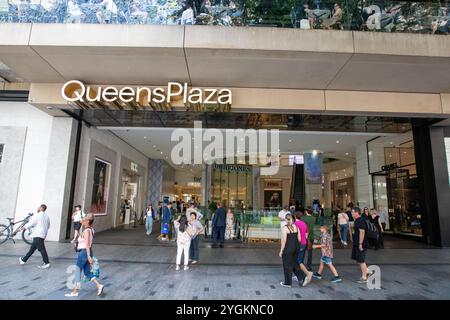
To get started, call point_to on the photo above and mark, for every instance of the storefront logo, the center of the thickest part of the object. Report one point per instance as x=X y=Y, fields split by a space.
x=75 y=91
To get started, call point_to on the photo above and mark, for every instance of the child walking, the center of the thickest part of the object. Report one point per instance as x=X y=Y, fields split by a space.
x=185 y=232
x=326 y=246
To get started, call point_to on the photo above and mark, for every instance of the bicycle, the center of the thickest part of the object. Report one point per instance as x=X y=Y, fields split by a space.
x=7 y=232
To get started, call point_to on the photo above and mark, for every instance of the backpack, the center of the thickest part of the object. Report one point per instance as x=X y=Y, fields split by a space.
x=372 y=231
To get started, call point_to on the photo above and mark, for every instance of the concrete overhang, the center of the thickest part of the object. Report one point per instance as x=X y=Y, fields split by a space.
x=246 y=57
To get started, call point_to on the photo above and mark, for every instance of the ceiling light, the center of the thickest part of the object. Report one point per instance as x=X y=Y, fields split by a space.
x=290 y=140
x=154 y=146
x=391 y=143
x=314 y=153
x=346 y=153
x=337 y=141
x=145 y=137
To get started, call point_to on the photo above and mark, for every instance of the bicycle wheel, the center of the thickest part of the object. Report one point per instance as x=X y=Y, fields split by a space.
x=26 y=235
x=4 y=233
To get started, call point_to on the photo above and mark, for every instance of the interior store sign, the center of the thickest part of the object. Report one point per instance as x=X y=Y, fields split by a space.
x=134 y=167
x=77 y=91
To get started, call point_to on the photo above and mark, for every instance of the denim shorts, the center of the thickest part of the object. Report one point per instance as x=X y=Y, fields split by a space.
x=326 y=260
x=301 y=254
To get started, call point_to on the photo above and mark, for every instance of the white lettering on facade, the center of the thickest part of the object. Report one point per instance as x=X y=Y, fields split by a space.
x=76 y=91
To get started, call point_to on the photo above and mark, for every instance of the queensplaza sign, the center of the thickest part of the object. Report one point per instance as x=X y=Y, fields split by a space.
x=142 y=97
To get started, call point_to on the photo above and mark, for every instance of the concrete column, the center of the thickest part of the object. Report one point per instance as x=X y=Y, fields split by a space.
x=256 y=187
x=58 y=175
x=155 y=181
x=327 y=186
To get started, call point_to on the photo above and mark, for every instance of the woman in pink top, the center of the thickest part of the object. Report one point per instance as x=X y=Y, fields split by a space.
x=85 y=254
x=303 y=230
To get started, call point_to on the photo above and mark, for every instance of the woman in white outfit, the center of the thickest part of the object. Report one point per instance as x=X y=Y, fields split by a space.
x=185 y=233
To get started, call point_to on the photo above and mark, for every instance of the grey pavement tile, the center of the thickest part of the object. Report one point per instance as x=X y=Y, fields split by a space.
x=147 y=272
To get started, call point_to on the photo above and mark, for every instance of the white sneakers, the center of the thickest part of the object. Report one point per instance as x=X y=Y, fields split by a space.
x=41 y=266
x=44 y=266
x=100 y=290
x=178 y=268
x=307 y=279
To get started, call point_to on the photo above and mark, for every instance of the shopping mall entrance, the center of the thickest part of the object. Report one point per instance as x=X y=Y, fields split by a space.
x=326 y=161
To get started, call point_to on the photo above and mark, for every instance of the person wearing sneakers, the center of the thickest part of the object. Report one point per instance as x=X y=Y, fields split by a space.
x=290 y=246
x=85 y=257
x=195 y=223
x=326 y=246
x=185 y=232
x=303 y=230
x=40 y=222
x=360 y=243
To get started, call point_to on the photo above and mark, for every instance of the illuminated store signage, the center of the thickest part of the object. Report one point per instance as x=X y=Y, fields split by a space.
x=232 y=168
x=77 y=92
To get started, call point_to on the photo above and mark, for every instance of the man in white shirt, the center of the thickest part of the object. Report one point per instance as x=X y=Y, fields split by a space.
x=282 y=217
x=40 y=222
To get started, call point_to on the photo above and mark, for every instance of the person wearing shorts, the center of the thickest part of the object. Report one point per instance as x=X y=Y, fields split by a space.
x=77 y=216
x=360 y=243
x=326 y=246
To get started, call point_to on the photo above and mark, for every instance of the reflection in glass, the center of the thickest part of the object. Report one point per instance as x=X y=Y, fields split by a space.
x=363 y=15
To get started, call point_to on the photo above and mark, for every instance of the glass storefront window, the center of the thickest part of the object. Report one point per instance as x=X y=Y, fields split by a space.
x=396 y=185
x=233 y=186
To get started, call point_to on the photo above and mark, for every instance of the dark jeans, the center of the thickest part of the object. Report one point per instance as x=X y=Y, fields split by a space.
x=309 y=259
x=193 y=249
x=219 y=235
x=38 y=243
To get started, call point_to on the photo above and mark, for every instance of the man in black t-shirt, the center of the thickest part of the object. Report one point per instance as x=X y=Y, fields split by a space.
x=360 y=243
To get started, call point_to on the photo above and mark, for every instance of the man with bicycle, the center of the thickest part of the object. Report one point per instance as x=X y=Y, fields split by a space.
x=40 y=222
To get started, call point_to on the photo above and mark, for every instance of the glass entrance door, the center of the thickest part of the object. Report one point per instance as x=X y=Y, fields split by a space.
x=398 y=191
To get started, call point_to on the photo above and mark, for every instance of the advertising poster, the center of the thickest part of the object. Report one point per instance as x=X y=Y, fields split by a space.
x=100 y=188
x=313 y=168
x=273 y=198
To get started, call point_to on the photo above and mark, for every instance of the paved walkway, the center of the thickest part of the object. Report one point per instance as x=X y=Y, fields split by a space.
x=147 y=271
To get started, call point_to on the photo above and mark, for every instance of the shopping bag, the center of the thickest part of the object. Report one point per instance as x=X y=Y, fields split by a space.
x=165 y=228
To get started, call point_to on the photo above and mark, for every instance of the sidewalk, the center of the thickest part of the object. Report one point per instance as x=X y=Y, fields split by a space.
x=239 y=272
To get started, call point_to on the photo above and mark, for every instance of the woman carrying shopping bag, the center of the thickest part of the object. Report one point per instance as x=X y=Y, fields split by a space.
x=85 y=258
